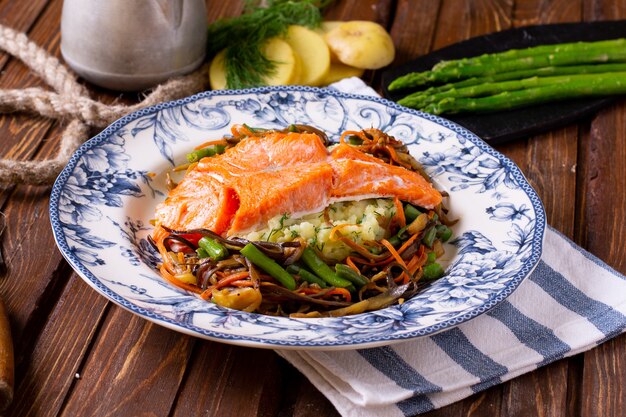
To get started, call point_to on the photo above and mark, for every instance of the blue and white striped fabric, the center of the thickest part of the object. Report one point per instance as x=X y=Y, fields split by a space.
x=571 y=303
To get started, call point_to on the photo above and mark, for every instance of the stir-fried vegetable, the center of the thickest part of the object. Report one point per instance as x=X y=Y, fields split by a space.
x=293 y=277
x=268 y=265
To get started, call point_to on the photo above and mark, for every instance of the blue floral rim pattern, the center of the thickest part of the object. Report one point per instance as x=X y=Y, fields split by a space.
x=489 y=264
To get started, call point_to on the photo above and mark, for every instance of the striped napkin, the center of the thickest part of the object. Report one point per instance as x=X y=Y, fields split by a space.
x=571 y=303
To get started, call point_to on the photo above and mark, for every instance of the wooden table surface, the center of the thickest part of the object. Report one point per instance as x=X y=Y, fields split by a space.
x=77 y=354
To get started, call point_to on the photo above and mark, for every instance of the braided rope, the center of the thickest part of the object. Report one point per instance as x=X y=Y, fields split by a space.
x=69 y=100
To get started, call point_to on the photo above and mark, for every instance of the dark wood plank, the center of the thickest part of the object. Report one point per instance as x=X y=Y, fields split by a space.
x=193 y=377
x=19 y=15
x=460 y=20
x=379 y=11
x=220 y=376
x=134 y=368
x=603 y=393
x=553 y=174
x=602 y=199
x=412 y=40
x=49 y=370
x=34 y=281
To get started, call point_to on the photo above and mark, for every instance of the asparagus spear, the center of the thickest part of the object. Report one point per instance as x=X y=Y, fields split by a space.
x=416 y=79
x=420 y=98
x=558 y=48
x=575 y=86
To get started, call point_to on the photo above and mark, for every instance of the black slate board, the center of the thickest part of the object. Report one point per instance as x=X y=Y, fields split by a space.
x=504 y=126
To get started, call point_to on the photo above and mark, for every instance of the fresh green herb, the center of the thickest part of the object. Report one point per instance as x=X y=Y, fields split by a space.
x=243 y=36
x=281 y=223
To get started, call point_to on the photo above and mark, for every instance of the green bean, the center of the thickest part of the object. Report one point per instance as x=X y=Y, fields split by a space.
x=270 y=266
x=344 y=271
x=202 y=253
x=397 y=239
x=432 y=271
x=355 y=140
x=198 y=154
x=432 y=257
x=410 y=213
x=306 y=275
x=319 y=268
x=444 y=232
x=213 y=248
x=429 y=237
x=255 y=129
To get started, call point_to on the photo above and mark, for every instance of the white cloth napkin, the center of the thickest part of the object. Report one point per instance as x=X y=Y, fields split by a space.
x=571 y=303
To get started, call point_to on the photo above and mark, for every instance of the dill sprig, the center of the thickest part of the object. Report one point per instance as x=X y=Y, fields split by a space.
x=243 y=36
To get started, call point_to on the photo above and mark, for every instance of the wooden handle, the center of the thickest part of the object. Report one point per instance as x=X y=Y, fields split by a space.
x=6 y=360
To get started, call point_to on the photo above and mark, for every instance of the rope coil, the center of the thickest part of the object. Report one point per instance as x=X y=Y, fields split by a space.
x=69 y=100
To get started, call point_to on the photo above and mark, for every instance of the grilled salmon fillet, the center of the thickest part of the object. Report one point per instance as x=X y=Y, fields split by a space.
x=278 y=173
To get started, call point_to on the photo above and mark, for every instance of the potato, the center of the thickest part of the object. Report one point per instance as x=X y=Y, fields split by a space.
x=245 y=299
x=312 y=50
x=361 y=44
x=329 y=25
x=274 y=49
x=297 y=71
x=339 y=72
x=326 y=27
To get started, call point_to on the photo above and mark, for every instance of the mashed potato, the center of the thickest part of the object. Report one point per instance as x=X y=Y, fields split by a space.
x=367 y=220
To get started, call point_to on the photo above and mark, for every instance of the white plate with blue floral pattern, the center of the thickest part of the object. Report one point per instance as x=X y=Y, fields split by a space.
x=102 y=203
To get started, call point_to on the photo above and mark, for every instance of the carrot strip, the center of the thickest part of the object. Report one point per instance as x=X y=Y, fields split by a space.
x=399 y=212
x=178 y=283
x=407 y=243
x=393 y=155
x=397 y=257
x=243 y=283
x=239 y=130
x=384 y=261
x=340 y=291
x=351 y=264
x=337 y=229
x=231 y=278
x=417 y=262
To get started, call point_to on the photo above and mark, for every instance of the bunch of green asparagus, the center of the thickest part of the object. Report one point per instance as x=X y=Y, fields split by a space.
x=518 y=78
